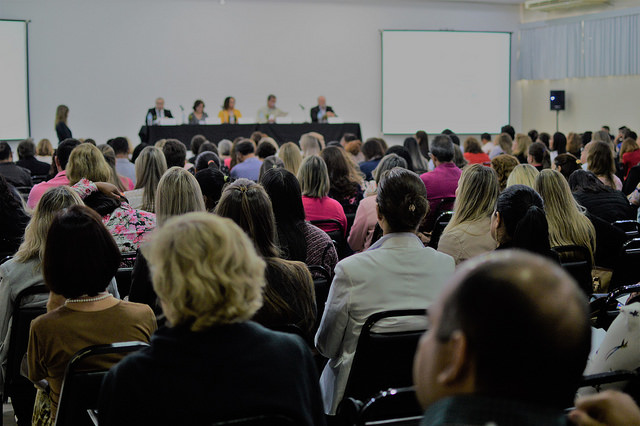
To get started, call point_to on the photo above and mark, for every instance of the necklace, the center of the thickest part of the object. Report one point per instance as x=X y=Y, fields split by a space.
x=82 y=299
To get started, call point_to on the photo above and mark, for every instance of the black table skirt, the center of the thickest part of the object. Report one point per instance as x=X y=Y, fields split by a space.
x=282 y=133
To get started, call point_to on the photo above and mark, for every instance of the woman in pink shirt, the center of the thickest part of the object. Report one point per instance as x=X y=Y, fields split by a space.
x=314 y=182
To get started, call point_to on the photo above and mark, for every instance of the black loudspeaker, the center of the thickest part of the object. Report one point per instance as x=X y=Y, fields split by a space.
x=556 y=100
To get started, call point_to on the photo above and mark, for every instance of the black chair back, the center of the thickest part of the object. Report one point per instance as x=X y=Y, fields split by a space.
x=266 y=420
x=437 y=207
x=36 y=179
x=383 y=359
x=123 y=275
x=438 y=228
x=321 y=284
x=576 y=260
x=338 y=236
x=629 y=381
x=393 y=406
x=627 y=271
x=604 y=308
x=631 y=228
x=80 y=389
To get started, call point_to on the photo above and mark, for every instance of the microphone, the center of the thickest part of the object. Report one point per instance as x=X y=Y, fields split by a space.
x=302 y=107
x=181 y=108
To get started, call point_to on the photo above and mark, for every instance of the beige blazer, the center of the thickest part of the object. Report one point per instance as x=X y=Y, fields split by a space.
x=467 y=240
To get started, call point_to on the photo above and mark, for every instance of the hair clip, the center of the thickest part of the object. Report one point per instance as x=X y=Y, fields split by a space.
x=209 y=162
x=226 y=178
x=412 y=207
x=243 y=189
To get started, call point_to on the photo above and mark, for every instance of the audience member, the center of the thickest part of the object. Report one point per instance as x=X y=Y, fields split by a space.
x=503 y=166
x=44 y=151
x=346 y=184
x=458 y=157
x=354 y=149
x=487 y=144
x=462 y=372
x=266 y=148
x=402 y=152
x=566 y=164
x=310 y=145
x=13 y=219
x=207 y=146
x=442 y=182
x=123 y=183
x=508 y=129
x=124 y=167
x=519 y=221
x=523 y=174
x=545 y=138
x=14 y=174
x=473 y=152
x=175 y=153
x=62 y=130
x=361 y=287
x=629 y=153
x=468 y=234
x=297 y=239
x=150 y=166
x=557 y=145
x=364 y=223
x=601 y=136
x=80 y=259
x=600 y=161
x=194 y=146
x=501 y=145
x=574 y=144
x=599 y=199
x=420 y=163
x=347 y=137
x=568 y=224
x=520 y=147
x=314 y=183
x=271 y=162
x=212 y=181
x=423 y=142
x=373 y=152
x=224 y=149
x=539 y=156
x=60 y=161
x=291 y=157
x=211 y=257
x=533 y=134
x=27 y=159
x=454 y=138
x=248 y=165
x=207 y=159
x=229 y=113
x=289 y=298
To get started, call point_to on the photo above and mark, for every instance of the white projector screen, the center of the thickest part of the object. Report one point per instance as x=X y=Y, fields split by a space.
x=434 y=80
x=14 y=89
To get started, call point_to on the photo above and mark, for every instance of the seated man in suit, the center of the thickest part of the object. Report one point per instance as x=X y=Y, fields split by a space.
x=154 y=114
x=508 y=342
x=14 y=174
x=321 y=112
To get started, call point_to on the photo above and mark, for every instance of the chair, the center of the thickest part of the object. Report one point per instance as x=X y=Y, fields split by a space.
x=627 y=272
x=123 y=275
x=605 y=307
x=631 y=228
x=441 y=222
x=576 y=260
x=338 y=236
x=321 y=284
x=382 y=359
x=80 y=389
x=265 y=420
x=629 y=378
x=437 y=207
x=38 y=179
x=389 y=407
x=17 y=387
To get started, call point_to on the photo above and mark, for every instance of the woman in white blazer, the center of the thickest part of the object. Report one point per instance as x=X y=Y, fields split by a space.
x=397 y=272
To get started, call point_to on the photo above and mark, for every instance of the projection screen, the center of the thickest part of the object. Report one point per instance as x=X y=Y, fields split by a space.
x=14 y=81
x=433 y=80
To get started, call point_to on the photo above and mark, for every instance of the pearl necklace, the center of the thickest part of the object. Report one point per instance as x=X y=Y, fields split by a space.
x=88 y=299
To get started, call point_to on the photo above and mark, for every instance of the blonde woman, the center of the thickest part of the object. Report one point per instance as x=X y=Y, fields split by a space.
x=568 y=224
x=150 y=166
x=210 y=282
x=468 y=234
x=503 y=166
x=123 y=183
x=62 y=130
x=520 y=147
x=523 y=174
x=291 y=156
x=501 y=145
x=310 y=145
x=44 y=151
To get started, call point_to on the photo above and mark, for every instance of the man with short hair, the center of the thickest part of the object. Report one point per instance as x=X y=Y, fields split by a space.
x=248 y=164
x=487 y=146
x=508 y=129
x=14 y=174
x=442 y=181
x=508 y=342
x=321 y=112
x=27 y=159
x=155 y=114
x=175 y=152
x=124 y=167
x=61 y=158
x=269 y=113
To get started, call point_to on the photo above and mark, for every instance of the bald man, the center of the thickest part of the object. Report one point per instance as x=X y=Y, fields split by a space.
x=508 y=342
x=321 y=112
x=154 y=114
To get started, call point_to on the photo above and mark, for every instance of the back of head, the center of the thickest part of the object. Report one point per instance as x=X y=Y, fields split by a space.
x=248 y=205
x=224 y=147
x=567 y=164
x=245 y=147
x=423 y=142
x=372 y=150
x=478 y=191
x=309 y=145
x=533 y=134
x=196 y=142
x=291 y=156
x=544 y=138
x=628 y=145
x=523 y=142
x=523 y=174
x=5 y=151
x=537 y=151
x=314 y=177
x=150 y=166
x=601 y=162
x=211 y=181
x=175 y=153
x=205 y=271
x=78 y=241
x=442 y=148
x=419 y=161
x=352 y=147
x=472 y=145
x=266 y=149
x=402 y=152
x=26 y=149
x=505 y=141
x=504 y=164
x=388 y=162
x=536 y=307
x=207 y=146
x=271 y=162
x=178 y=193
x=508 y=129
x=601 y=136
x=63 y=152
x=256 y=136
x=348 y=137
x=402 y=200
x=120 y=146
x=86 y=161
x=522 y=212
x=586 y=181
x=44 y=148
x=205 y=160
x=559 y=142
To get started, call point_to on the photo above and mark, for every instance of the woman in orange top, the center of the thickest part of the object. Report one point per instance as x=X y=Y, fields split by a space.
x=229 y=114
x=473 y=152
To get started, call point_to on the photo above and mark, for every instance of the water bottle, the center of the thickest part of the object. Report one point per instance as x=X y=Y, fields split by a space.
x=149 y=119
x=232 y=118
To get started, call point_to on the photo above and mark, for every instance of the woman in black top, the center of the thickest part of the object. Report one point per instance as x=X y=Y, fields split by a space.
x=13 y=219
x=599 y=199
x=62 y=113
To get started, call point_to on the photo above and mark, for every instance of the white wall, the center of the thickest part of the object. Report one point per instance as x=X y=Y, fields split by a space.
x=109 y=59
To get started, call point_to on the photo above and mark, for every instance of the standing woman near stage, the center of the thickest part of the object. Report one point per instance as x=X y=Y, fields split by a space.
x=62 y=113
x=229 y=113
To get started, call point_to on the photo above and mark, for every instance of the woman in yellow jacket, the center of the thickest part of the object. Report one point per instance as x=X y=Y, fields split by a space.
x=229 y=114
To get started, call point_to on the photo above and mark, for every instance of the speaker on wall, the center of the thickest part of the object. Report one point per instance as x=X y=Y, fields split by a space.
x=556 y=100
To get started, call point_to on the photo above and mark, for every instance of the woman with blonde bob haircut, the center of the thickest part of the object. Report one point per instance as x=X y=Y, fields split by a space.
x=86 y=161
x=210 y=279
x=291 y=156
x=523 y=174
x=150 y=166
x=178 y=193
x=468 y=234
x=568 y=224
x=310 y=145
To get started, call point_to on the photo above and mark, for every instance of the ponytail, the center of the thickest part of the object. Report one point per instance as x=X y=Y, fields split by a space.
x=532 y=232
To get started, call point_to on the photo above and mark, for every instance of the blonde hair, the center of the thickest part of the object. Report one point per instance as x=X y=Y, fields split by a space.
x=478 y=191
x=314 y=177
x=44 y=148
x=320 y=138
x=150 y=166
x=86 y=161
x=160 y=143
x=628 y=145
x=291 y=157
x=110 y=157
x=35 y=235
x=567 y=223
x=523 y=142
x=505 y=142
x=178 y=193
x=62 y=112
x=310 y=145
x=523 y=174
x=504 y=164
x=205 y=271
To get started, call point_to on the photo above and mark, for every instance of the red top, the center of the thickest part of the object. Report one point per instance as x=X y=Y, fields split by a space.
x=325 y=208
x=630 y=159
x=477 y=158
